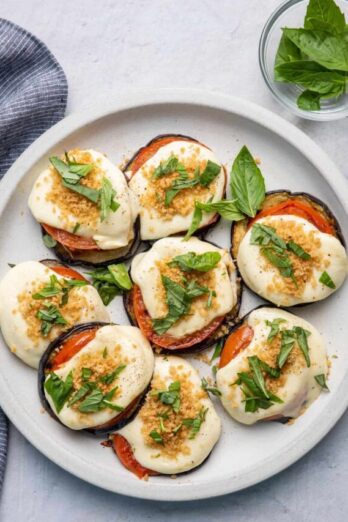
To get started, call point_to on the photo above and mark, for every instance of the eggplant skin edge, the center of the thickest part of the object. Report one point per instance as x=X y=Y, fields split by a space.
x=230 y=320
x=64 y=255
x=236 y=225
x=202 y=231
x=42 y=377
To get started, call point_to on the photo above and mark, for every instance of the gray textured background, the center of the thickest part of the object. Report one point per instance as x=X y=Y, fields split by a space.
x=108 y=46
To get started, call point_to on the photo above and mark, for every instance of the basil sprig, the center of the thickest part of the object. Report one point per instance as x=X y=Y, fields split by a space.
x=192 y=261
x=196 y=422
x=315 y=57
x=111 y=281
x=210 y=389
x=49 y=315
x=326 y=280
x=58 y=389
x=170 y=397
x=179 y=300
x=71 y=174
x=247 y=190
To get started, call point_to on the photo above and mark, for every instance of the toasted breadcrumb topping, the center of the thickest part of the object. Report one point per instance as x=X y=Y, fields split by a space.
x=190 y=406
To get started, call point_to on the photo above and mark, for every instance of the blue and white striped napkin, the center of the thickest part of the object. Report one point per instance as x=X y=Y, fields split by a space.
x=33 y=95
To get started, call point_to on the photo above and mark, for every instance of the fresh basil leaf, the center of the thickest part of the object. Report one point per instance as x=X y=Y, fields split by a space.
x=326 y=280
x=92 y=402
x=309 y=101
x=287 y=344
x=49 y=241
x=275 y=327
x=86 y=373
x=210 y=389
x=280 y=261
x=325 y=15
x=298 y=250
x=76 y=227
x=71 y=172
x=112 y=406
x=264 y=235
x=247 y=183
x=211 y=171
x=49 y=315
x=107 y=202
x=80 y=394
x=50 y=290
x=311 y=75
x=121 y=277
x=178 y=305
x=192 y=261
x=195 y=423
x=325 y=49
x=271 y=372
x=169 y=166
x=257 y=375
x=111 y=281
x=193 y=289
x=156 y=437
x=110 y=377
x=87 y=192
x=302 y=340
x=226 y=209
x=58 y=389
x=196 y=221
x=321 y=380
x=217 y=350
x=287 y=52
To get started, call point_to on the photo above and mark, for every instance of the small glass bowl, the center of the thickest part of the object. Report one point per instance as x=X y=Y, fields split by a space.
x=291 y=14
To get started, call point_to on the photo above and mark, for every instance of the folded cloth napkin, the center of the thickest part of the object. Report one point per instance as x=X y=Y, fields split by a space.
x=33 y=94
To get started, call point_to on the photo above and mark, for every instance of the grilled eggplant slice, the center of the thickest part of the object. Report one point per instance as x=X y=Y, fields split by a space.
x=198 y=341
x=331 y=255
x=146 y=152
x=92 y=362
x=260 y=381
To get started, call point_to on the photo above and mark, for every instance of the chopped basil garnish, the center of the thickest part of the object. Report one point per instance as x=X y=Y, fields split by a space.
x=210 y=389
x=97 y=401
x=171 y=396
x=275 y=325
x=287 y=344
x=169 y=166
x=58 y=389
x=263 y=235
x=298 y=250
x=179 y=300
x=248 y=193
x=107 y=201
x=110 y=377
x=302 y=340
x=105 y=352
x=76 y=227
x=217 y=350
x=49 y=316
x=57 y=286
x=321 y=380
x=211 y=171
x=156 y=437
x=86 y=373
x=49 y=241
x=111 y=281
x=195 y=423
x=200 y=262
x=326 y=280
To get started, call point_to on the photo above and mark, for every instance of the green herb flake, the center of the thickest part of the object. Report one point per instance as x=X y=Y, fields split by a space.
x=210 y=389
x=192 y=261
x=321 y=380
x=156 y=437
x=326 y=280
x=298 y=250
x=195 y=423
x=49 y=316
x=76 y=227
x=275 y=328
x=49 y=241
x=111 y=281
x=58 y=389
x=217 y=350
x=107 y=203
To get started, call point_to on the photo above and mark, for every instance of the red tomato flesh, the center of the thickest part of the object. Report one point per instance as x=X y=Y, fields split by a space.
x=125 y=454
x=73 y=345
x=235 y=343
x=71 y=241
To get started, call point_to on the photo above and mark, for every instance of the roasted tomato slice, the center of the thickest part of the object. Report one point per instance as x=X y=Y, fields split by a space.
x=167 y=341
x=72 y=345
x=71 y=241
x=145 y=153
x=65 y=271
x=125 y=454
x=237 y=341
x=297 y=208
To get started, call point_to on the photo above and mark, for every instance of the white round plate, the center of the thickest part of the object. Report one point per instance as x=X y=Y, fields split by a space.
x=289 y=160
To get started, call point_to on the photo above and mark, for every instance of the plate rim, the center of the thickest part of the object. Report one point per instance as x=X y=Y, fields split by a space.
x=235 y=106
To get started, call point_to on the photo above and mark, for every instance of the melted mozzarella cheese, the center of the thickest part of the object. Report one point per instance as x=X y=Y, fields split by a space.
x=131 y=382
x=14 y=327
x=146 y=274
x=332 y=256
x=153 y=225
x=198 y=448
x=114 y=232
x=299 y=387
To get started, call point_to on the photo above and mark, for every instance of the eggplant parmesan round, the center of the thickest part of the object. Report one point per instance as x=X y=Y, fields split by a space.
x=168 y=176
x=292 y=252
x=94 y=376
x=176 y=428
x=186 y=294
x=83 y=205
x=272 y=366
x=40 y=300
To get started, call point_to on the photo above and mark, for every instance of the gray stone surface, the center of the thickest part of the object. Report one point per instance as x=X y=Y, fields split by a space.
x=108 y=46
